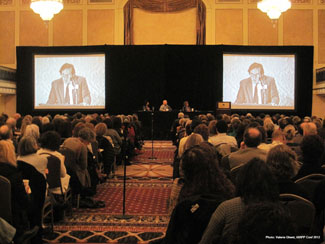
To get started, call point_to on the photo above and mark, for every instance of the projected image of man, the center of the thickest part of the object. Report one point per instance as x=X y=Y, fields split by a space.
x=258 y=88
x=69 y=89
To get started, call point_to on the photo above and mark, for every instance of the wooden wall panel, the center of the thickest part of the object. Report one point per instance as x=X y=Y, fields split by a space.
x=32 y=30
x=261 y=30
x=229 y=26
x=100 y=27
x=321 y=36
x=67 y=28
x=164 y=28
x=7 y=37
x=298 y=27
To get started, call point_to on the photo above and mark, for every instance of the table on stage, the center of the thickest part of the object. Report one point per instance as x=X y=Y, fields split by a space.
x=162 y=122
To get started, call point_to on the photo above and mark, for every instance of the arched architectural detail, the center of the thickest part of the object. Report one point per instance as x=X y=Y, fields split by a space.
x=165 y=6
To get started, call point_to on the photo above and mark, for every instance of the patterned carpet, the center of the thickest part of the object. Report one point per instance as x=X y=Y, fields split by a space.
x=147 y=191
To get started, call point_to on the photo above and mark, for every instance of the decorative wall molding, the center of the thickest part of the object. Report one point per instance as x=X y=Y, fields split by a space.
x=229 y=1
x=6 y=2
x=100 y=1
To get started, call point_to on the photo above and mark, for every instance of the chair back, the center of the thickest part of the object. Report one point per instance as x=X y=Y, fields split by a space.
x=53 y=177
x=310 y=183
x=70 y=160
x=234 y=173
x=5 y=196
x=302 y=212
x=37 y=185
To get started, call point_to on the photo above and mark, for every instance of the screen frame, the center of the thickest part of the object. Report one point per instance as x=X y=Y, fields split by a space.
x=266 y=53
x=83 y=52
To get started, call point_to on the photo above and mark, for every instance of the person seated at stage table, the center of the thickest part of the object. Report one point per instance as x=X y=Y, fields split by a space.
x=146 y=106
x=186 y=107
x=165 y=107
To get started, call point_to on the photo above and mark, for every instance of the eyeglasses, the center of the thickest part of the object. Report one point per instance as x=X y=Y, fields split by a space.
x=254 y=75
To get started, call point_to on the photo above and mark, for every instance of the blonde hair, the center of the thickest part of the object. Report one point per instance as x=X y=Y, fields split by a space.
x=7 y=152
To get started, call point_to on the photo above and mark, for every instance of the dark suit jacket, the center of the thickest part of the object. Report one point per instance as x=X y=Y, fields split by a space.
x=246 y=94
x=57 y=91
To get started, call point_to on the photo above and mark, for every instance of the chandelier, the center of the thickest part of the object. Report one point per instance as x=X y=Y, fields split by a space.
x=46 y=8
x=274 y=8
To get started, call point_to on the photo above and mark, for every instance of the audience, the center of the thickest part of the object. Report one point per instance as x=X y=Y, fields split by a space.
x=19 y=199
x=255 y=183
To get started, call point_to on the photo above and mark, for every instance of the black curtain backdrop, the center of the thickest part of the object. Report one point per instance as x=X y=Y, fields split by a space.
x=157 y=72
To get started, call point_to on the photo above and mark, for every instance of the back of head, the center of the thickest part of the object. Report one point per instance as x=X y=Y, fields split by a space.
x=100 y=129
x=309 y=128
x=252 y=137
x=222 y=126
x=5 y=132
x=282 y=162
x=77 y=128
x=265 y=219
x=51 y=140
x=192 y=140
x=87 y=134
x=27 y=145
x=180 y=115
x=32 y=130
x=203 y=130
x=256 y=182
x=202 y=174
x=278 y=135
x=212 y=127
x=312 y=147
x=289 y=132
x=7 y=152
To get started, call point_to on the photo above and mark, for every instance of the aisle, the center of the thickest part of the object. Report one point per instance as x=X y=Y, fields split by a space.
x=147 y=191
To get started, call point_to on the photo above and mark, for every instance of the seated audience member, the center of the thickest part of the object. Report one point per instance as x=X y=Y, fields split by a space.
x=146 y=106
x=203 y=130
x=27 y=149
x=312 y=147
x=186 y=107
x=32 y=130
x=205 y=187
x=277 y=139
x=309 y=128
x=255 y=183
x=80 y=178
x=173 y=129
x=106 y=144
x=234 y=123
x=192 y=140
x=269 y=127
x=283 y=163
x=50 y=145
x=165 y=107
x=249 y=150
x=19 y=199
x=212 y=129
x=263 y=220
x=222 y=137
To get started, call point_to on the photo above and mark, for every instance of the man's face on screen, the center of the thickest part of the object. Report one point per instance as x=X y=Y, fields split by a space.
x=66 y=75
x=255 y=75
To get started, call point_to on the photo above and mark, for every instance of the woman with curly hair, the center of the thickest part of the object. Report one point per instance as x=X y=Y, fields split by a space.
x=283 y=163
x=205 y=187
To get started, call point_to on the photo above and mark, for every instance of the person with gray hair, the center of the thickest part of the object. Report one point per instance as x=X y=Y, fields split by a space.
x=27 y=149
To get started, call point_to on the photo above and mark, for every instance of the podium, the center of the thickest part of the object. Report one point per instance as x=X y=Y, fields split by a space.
x=223 y=108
